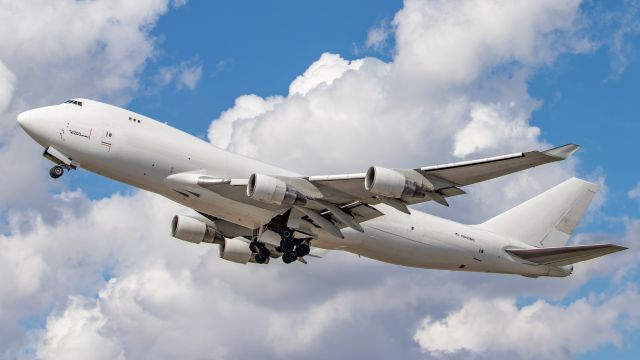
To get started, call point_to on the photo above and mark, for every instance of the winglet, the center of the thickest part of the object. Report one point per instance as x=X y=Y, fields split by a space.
x=562 y=152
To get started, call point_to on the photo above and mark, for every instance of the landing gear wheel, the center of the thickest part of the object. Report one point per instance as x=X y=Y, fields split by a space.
x=289 y=257
x=264 y=252
x=56 y=171
x=303 y=250
x=260 y=259
x=287 y=245
x=286 y=233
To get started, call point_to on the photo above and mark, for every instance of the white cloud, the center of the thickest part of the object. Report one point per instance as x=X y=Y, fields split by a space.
x=187 y=74
x=455 y=42
x=322 y=73
x=378 y=36
x=628 y=26
x=635 y=192
x=190 y=76
x=246 y=107
x=539 y=330
x=76 y=334
x=456 y=88
x=67 y=48
x=7 y=83
x=168 y=298
x=178 y=3
x=491 y=125
x=57 y=50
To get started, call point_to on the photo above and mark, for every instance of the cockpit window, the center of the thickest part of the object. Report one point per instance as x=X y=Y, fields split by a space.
x=74 y=102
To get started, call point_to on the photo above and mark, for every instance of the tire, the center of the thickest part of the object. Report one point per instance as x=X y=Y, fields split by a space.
x=264 y=252
x=286 y=245
x=56 y=171
x=289 y=257
x=303 y=250
x=286 y=233
x=260 y=259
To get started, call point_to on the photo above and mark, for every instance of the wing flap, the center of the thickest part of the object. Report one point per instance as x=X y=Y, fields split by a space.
x=565 y=255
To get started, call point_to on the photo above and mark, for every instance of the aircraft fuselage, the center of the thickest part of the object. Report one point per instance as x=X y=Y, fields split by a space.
x=142 y=152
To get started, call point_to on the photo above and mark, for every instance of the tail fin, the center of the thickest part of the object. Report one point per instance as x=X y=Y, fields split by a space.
x=547 y=220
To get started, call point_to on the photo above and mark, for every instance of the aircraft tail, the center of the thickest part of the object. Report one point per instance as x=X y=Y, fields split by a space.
x=549 y=219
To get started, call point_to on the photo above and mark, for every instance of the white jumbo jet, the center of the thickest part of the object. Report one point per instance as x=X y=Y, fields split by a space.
x=256 y=212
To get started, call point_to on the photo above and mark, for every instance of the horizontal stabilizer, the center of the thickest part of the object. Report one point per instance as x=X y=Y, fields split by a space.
x=565 y=255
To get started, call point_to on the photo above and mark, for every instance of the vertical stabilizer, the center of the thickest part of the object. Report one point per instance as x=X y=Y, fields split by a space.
x=548 y=219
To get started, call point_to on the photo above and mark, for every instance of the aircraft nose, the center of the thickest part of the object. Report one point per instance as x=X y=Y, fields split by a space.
x=31 y=123
x=25 y=119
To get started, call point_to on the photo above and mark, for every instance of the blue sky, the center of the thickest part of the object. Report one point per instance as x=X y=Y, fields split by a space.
x=71 y=233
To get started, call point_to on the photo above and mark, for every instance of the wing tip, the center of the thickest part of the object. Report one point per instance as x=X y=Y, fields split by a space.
x=617 y=248
x=562 y=152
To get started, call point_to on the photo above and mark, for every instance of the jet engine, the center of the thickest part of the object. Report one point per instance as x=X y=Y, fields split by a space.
x=235 y=250
x=272 y=190
x=394 y=184
x=193 y=230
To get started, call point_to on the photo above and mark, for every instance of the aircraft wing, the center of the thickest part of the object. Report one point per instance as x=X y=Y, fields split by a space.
x=446 y=179
x=333 y=202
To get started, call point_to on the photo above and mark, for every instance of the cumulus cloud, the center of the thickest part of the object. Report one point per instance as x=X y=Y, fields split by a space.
x=51 y=51
x=455 y=89
x=54 y=50
x=76 y=334
x=491 y=125
x=455 y=42
x=167 y=298
x=533 y=331
x=322 y=73
x=67 y=48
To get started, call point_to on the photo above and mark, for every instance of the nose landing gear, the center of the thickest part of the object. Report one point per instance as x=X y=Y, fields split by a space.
x=56 y=171
x=63 y=162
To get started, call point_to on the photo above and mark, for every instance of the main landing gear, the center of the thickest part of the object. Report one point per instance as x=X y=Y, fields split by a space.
x=292 y=248
x=56 y=171
x=261 y=251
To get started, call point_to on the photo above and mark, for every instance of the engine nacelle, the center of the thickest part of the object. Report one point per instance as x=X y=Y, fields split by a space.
x=235 y=250
x=392 y=183
x=193 y=230
x=272 y=190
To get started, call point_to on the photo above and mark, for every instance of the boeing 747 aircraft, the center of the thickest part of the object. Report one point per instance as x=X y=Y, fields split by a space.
x=257 y=212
